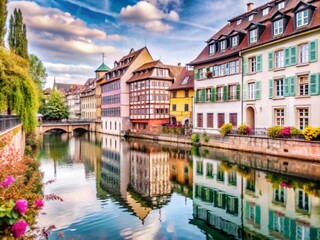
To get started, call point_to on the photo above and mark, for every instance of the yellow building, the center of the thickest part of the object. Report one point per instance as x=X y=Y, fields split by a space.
x=181 y=101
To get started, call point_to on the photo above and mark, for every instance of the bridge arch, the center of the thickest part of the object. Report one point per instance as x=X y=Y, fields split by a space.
x=47 y=129
x=79 y=128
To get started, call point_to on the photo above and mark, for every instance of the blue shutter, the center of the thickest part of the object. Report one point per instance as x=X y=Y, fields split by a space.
x=314 y=84
x=271 y=61
x=287 y=57
x=286 y=91
x=258 y=90
x=259 y=63
x=196 y=74
x=245 y=66
x=293 y=56
x=258 y=215
x=271 y=88
x=313 y=51
x=293 y=86
x=244 y=91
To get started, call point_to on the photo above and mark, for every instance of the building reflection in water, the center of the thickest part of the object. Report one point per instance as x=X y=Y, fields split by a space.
x=244 y=203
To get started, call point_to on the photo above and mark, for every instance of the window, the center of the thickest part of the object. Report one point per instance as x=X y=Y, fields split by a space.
x=234 y=67
x=278 y=223
x=232 y=178
x=239 y=22
x=223 y=45
x=278 y=27
x=216 y=70
x=209 y=120
x=279 y=117
x=252 y=65
x=200 y=120
x=302 y=18
x=279 y=55
x=253 y=35
x=234 y=41
x=202 y=73
x=302 y=200
x=220 y=174
x=208 y=94
x=250 y=185
x=212 y=49
x=209 y=170
x=186 y=93
x=302 y=232
x=278 y=87
x=219 y=93
x=199 y=167
x=279 y=194
x=252 y=90
x=185 y=80
x=186 y=107
x=250 y=18
x=174 y=107
x=303 y=117
x=174 y=94
x=303 y=53
x=220 y=119
x=233 y=119
x=281 y=5
x=265 y=11
x=232 y=91
x=303 y=85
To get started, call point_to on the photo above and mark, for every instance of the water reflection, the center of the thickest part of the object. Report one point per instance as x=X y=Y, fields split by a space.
x=126 y=189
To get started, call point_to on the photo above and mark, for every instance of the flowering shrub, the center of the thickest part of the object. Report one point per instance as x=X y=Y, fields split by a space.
x=274 y=131
x=243 y=129
x=195 y=137
x=311 y=133
x=295 y=132
x=225 y=129
x=285 y=132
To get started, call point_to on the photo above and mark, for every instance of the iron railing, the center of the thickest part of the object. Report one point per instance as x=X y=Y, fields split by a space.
x=7 y=122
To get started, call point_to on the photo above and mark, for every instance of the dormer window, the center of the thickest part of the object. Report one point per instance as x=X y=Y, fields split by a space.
x=234 y=41
x=281 y=5
x=302 y=18
x=253 y=35
x=265 y=11
x=278 y=27
x=223 y=45
x=250 y=17
x=185 y=80
x=212 y=49
x=238 y=22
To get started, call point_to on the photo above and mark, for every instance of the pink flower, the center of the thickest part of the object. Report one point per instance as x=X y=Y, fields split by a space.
x=39 y=203
x=7 y=182
x=19 y=228
x=21 y=206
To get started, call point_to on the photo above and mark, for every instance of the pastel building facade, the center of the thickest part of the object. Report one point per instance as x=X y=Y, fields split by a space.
x=88 y=100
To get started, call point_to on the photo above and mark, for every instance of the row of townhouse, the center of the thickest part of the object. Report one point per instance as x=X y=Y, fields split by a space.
x=261 y=69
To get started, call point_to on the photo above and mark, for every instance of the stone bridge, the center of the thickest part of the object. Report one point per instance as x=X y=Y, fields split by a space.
x=67 y=126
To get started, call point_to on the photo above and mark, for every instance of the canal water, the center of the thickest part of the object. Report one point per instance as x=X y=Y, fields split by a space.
x=114 y=188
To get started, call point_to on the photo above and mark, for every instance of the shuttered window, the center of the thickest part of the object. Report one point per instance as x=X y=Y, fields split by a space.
x=233 y=119
x=200 y=120
x=209 y=120
x=220 y=119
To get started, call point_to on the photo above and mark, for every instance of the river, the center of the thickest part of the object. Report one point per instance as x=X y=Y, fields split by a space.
x=114 y=188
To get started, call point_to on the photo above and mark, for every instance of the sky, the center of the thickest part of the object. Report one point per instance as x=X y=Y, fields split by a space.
x=69 y=36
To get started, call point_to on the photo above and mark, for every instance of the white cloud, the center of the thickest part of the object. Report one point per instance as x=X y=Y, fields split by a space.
x=116 y=37
x=148 y=16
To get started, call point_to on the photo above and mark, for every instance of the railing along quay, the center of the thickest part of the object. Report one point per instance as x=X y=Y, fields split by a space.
x=7 y=122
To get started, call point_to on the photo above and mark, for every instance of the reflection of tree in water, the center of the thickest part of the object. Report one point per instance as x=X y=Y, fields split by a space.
x=56 y=147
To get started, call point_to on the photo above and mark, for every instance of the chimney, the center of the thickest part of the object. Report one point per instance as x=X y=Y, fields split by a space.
x=250 y=6
x=179 y=64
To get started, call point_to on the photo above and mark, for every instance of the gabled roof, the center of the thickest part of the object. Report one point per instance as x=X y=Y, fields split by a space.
x=103 y=68
x=174 y=70
x=177 y=85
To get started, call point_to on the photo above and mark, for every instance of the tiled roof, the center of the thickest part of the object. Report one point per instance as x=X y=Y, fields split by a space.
x=66 y=87
x=175 y=70
x=103 y=68
x=258 y=18
x=177 y=85
x=145 y=71
x=89 y=87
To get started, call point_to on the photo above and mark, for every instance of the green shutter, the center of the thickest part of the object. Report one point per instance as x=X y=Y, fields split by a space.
x=238 y=92
x=293 y=56
x=314 y=83
x=203 y=95
x=228 y=203
x=286 y=227
x=245 y=66
x=258 y=90
x=196 y=74
x=197 y=96
x=215 y=198
x=286 y=91
x=259 y=63
x=258 y=215
x=208 y=69
x=270 y=61
x=211 y=195
x=313 y=51
x=287 y=57
x=293 y=86
x=271 y=220
x=213 y=95
x=236 y=204
x=223 y=201
x=244 y=92
x=271 y=88
x=247 y=210
x=225 y=93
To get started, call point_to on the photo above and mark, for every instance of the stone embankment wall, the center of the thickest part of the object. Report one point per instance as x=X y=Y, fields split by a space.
x=289 y=148
x=14 y=137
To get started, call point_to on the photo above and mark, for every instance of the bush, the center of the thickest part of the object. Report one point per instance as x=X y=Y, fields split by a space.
x=285 y=132
x=274 y=131
x=225 y=129
x=195 y=137
x=243 y=129
x=311 y=133
x=295 y=132
x=205 y=137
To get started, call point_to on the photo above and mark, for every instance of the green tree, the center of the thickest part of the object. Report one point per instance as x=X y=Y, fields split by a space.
x=37 y=71
x=17 y=39
x=3 y=18
x=18 y=93
x=55 y=108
